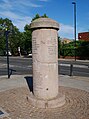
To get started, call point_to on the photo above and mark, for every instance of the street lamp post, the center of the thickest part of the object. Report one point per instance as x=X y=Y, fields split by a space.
x=8 y=70
x=74 y=3
x=3 y=26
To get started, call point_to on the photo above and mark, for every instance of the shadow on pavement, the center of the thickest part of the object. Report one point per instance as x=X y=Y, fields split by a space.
x=29 y=80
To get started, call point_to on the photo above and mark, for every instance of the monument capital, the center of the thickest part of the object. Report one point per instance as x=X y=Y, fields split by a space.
x=44 y=23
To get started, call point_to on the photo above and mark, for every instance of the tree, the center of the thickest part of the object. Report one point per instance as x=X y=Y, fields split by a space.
x=13 y=35
x=38 y=16
x=15 y=41
x=16 y=38
x=83 y=50
x=28 y=35
x=44 y=16
x=28 y=39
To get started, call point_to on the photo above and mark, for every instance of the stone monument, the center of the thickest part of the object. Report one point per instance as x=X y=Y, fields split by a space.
x=45 y=64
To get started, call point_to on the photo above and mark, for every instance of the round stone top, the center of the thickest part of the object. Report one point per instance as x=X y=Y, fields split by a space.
x=44 y=23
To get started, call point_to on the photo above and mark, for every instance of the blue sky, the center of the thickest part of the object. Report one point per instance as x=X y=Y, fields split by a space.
x=22 y=11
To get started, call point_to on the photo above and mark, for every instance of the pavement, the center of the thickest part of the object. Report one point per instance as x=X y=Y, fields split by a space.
x=77 y=82
x=15 y=104
x=16 y=81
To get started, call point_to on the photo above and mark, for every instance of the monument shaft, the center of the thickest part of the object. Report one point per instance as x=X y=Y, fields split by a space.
x=45 y=59
x=45 y=64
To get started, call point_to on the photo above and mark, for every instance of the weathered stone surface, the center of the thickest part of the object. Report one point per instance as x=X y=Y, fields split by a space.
x=45 y=56
x=51 y=103
x=45 y=64
x=44 y=23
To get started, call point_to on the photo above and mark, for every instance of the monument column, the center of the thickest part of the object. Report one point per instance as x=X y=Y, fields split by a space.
x=45 y=58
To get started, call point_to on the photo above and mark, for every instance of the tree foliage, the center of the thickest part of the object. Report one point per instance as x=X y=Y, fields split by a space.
x=28 y=34
x=38 y=16
x=16 y=38
x=81 y=49
x=27 y=39
x=24 y=41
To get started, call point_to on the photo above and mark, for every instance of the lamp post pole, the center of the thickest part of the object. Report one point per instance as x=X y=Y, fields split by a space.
x=8 y=70
x=74 y=3
x=3 y=26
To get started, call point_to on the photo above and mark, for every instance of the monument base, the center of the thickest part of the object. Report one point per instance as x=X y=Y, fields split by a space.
x=52 y=103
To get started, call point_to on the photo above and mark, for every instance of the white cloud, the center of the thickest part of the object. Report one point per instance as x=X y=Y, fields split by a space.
x=19 y=21
x=66 y=28
x=26 y=3
x=18 y=11
x=35 y=5
x=5 y=5
x=66 y=31
x=9 y=14
x=17 y=4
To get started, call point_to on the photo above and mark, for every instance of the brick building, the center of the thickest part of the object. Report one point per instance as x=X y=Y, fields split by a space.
x=83 y=36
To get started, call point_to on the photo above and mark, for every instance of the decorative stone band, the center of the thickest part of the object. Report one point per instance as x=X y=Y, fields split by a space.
x=44 y=23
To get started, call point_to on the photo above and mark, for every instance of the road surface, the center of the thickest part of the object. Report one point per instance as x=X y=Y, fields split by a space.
x=24 y=66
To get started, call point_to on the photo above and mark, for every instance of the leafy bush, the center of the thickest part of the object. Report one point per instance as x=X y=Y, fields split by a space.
x=81 y=49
